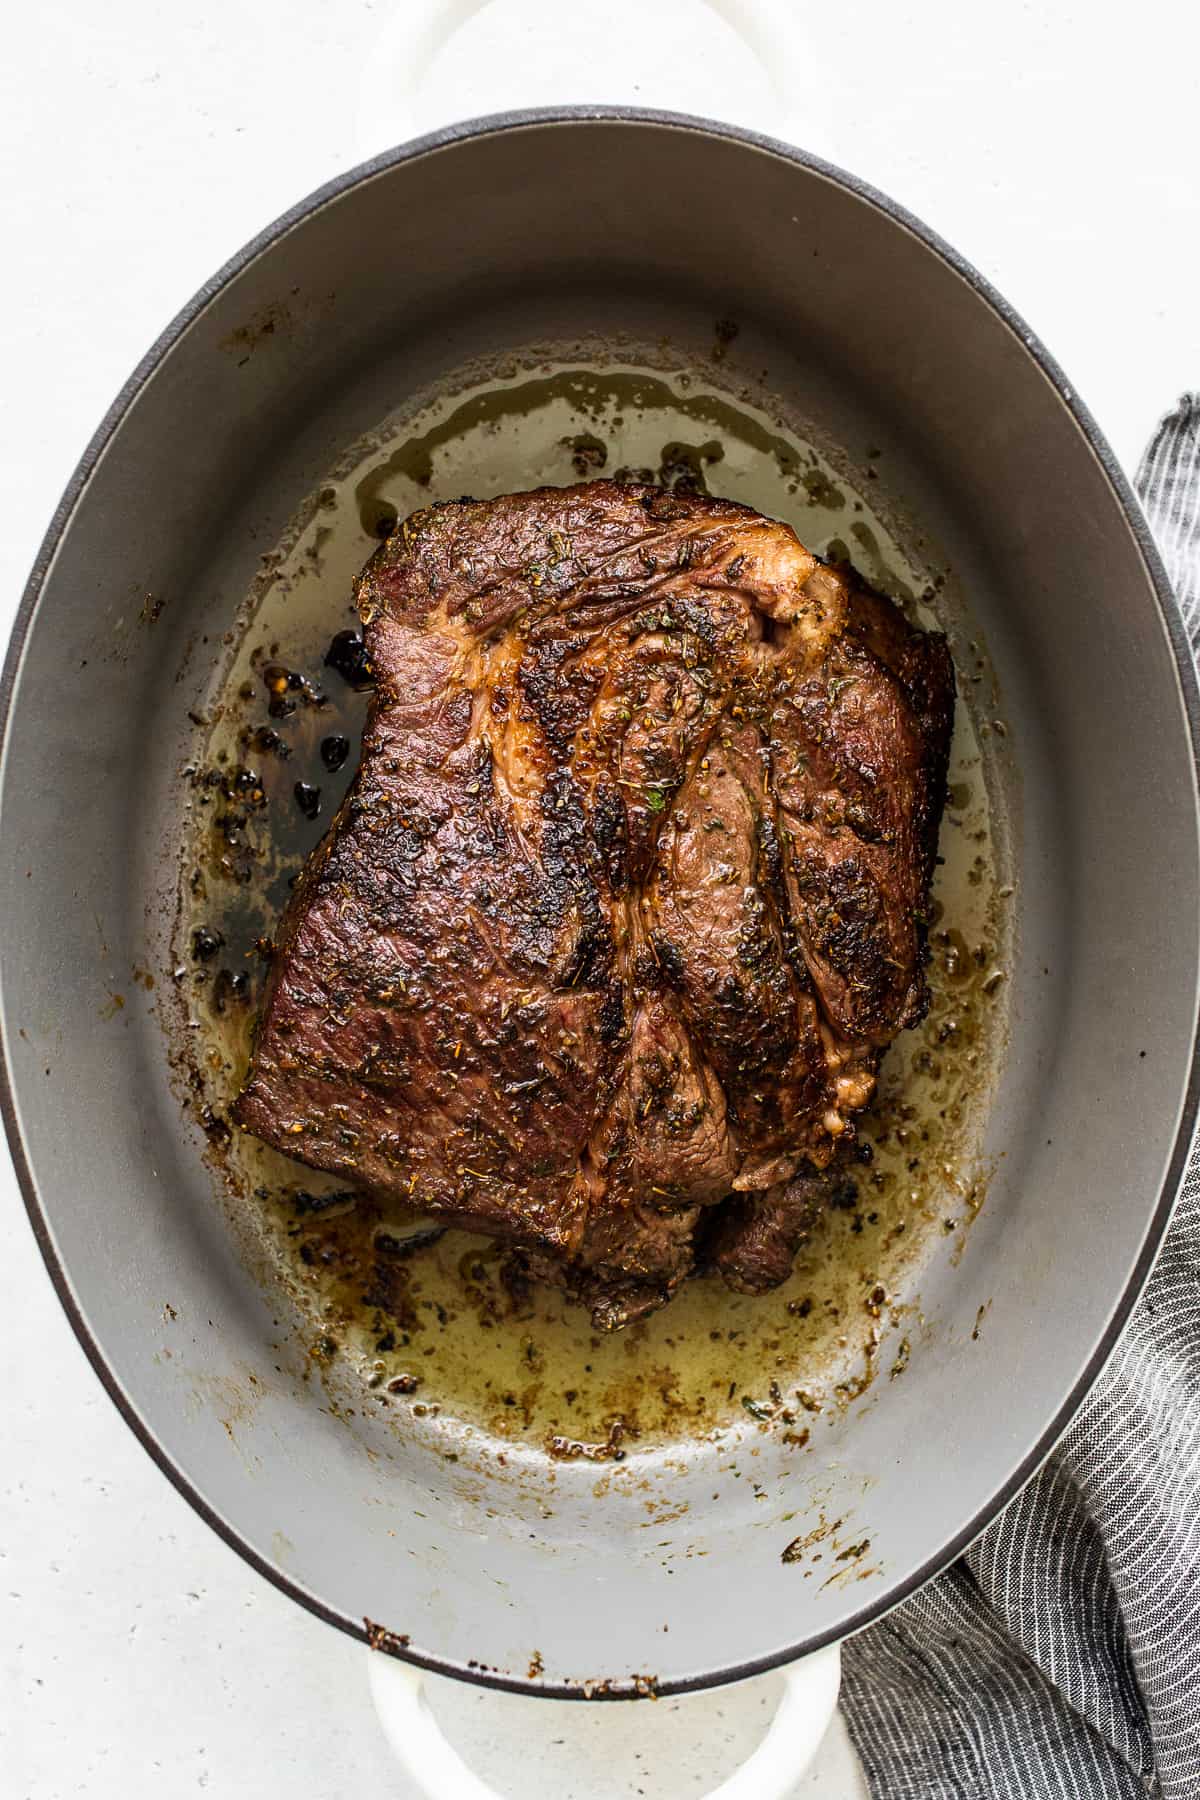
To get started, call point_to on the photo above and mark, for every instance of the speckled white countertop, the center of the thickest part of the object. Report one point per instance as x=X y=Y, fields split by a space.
x=141 y=144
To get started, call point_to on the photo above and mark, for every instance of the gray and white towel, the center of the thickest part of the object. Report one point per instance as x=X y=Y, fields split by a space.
x=1061 y=1655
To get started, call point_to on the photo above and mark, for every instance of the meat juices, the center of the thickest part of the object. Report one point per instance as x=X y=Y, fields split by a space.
x=603 y=948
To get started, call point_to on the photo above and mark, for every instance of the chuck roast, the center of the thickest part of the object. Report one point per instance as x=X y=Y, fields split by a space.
x=603 y=948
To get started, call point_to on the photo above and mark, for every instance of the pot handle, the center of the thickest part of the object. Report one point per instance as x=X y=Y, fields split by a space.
x=574 y=38
x=770 y=1773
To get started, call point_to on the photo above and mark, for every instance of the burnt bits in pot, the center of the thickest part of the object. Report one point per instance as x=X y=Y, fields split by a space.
x=308 y=799
x=347 y=656
x=334 y=751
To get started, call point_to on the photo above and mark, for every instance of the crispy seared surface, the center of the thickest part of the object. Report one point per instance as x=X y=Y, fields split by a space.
x=627 y=897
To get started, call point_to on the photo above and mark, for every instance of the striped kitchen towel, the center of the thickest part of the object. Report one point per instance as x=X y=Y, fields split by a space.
x=1061 y=1655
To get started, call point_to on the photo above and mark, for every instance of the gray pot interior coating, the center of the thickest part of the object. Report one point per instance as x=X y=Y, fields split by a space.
x=567 y=226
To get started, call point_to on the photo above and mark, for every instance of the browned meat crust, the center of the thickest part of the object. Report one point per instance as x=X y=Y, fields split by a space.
x=753 y=1238
x=628 y=895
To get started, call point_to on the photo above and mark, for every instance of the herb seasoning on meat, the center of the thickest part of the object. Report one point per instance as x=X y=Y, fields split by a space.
x=627 y=899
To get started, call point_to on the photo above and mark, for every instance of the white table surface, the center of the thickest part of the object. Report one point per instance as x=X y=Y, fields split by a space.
x=142 y=143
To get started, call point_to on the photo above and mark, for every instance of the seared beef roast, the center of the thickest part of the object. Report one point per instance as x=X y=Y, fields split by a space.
x=627 y=899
